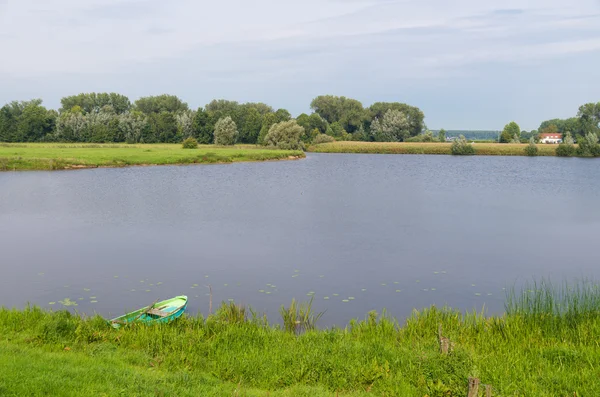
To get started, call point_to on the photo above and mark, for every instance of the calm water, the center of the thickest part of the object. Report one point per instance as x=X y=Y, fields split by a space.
x=394 y=232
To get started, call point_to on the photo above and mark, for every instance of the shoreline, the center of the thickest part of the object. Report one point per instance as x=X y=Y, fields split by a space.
x=67 y=157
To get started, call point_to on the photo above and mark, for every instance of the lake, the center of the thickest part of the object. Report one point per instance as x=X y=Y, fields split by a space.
x=357 y=232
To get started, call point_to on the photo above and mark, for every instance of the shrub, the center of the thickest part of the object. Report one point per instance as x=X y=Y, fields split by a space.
x=460 y=147
x=285 y=135
x=588 y=146
x=531 y=149
x=567 y=148
x=323 y=138
x=226 y=132
x=190 y=143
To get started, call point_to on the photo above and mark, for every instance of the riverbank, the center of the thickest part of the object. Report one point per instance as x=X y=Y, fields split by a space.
x=61 y=156
x=484 y=149
x=536 y=349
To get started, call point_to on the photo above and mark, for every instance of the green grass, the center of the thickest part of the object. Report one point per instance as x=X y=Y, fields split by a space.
x=53 y=156
x=546 y=345
x=486 y=149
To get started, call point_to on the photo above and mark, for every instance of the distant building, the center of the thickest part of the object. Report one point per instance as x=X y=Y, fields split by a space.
x=554 y=137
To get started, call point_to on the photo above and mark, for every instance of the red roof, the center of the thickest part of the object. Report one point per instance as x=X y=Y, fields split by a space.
x=551 y=136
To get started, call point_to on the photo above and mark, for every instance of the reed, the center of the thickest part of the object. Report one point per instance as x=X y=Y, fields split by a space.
x=544 y=345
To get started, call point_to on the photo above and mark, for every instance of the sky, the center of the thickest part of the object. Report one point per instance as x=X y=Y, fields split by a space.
x=468 y=64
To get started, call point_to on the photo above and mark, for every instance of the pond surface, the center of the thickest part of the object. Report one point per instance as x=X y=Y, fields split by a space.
x=360 y=232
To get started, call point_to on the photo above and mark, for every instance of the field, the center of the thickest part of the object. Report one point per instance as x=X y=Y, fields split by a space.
x=545 y=345
x=54 y=156
x=488 y=149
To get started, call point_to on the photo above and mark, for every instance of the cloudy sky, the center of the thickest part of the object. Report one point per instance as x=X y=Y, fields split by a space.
x=468 y=64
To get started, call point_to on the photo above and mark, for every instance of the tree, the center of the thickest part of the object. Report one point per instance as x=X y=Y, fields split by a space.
x=460 y=147
x=162 y=127
x=531 y=149
x=132 y=126
x=185 y=124
x=567 y=147
x=442 y=135
x=94 y=102
x=34 y=122
x=285 y=135
x=414 y=115
x=282 y=115
x=346 y=111
x=510 y=130
x=268 y=121
x=588 y=146
x=250 y=123
x=190 y=143
x=393 y=127
x=203 y=127
x=160 y=104
x=226 y=132
x=589 y=118
x=515 y=139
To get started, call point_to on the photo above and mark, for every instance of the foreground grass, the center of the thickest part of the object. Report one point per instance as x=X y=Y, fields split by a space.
x=546 y=345
x=487 y=149
x=48 y=156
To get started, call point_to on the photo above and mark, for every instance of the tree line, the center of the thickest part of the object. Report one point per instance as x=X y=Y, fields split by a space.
x=586 y=122
x=112 y=117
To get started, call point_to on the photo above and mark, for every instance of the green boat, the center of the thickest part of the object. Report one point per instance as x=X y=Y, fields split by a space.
x=159 y=312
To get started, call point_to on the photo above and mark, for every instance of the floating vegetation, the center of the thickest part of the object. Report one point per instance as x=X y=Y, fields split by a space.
x=116 y=276
x=147 y=290
x=268 y=292
x=489 y=294
x=52 y=303
x=225 y=285
x=345 y=300
x=363 y=289
x=94 y=301
x=477 y=294
x=132 y=290
x=67 y=302
x=436 y=272
x=418 y=281
x=295 y=275
x=351 y=298
x=261 y=290
x=273 y=286
x=92 y=297
x=396 y=282
x=87 y=289
x=159 y=283
x=443 y=272
x=425 y=289
x=195 y=285
x=472 y=285
x=326 y=297
x=296 y=271
x=141 y=281
x=40 y=274
x=398 y=290
x=384 y=284
x=152 y=285
x=79 y=299
x=206 y=276
x=321 y=276
x=433 y=289
x=336 y=294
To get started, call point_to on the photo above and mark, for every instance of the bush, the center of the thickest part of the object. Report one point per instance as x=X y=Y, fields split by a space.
x=460 y=147
x=588 y=146
x=226 y=132
x=567 y=148
x=323 y=138
x=285 y=135
x=531 y=149
x=190 y=143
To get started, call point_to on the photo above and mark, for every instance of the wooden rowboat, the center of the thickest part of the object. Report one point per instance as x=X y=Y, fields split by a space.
x=159 y=312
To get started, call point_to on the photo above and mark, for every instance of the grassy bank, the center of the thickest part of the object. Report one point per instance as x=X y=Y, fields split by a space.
x=487 y=149
x=546 y=345
x=50 y=156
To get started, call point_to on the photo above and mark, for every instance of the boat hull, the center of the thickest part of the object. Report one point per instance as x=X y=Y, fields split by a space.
x=159 y=312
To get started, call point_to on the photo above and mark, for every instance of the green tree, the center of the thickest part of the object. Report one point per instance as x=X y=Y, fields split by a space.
x=34 y=122
x=250 y=123
x=442 y=135
x=160 y=104
x=348 y=112
x=268 y=120
x=531 y=149
x=162 y=128
x=589 y=118
x=285 y=135
x=393 y=127
x=132 y=126
x=185 y=124
x=414 y=115
x=588 y=146
x=567 y=147
x=204 y=127
x=510 y=130
x=94 y=102
x=282 y=115
x=460 y=147
x=226 y=132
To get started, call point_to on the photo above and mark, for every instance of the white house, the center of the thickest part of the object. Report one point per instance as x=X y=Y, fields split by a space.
x=551 y=138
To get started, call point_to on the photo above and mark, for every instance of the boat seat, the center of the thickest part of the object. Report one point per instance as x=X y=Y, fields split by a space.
x=157 y=312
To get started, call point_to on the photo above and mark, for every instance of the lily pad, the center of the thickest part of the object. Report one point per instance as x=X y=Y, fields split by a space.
x=67 y=302
x=93 y=301
x=87 y=289
x=325 y=297
x=52 y=303
x=345 y=300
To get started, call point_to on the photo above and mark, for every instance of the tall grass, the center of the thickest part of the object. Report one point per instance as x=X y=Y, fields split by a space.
x=546 y=344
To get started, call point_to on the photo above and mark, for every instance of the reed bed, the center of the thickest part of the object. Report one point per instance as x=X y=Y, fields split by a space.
x=545 y=345
x=486 y=149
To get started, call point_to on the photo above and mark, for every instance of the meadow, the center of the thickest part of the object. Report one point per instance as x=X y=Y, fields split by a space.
x=544 y=345
x=486 y=149
x=59 y=156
